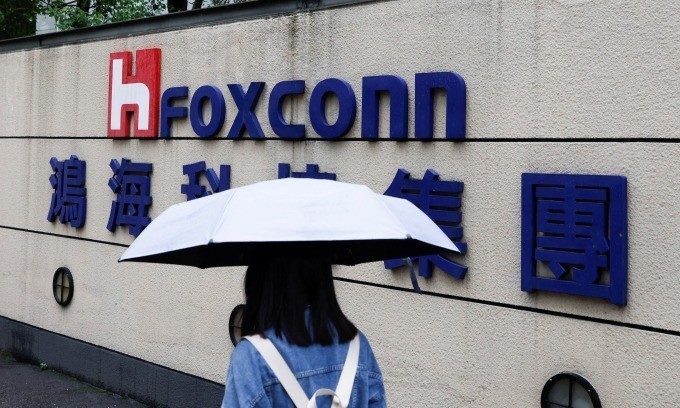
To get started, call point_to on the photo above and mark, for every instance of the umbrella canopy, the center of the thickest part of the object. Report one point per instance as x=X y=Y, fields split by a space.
x=346 y=223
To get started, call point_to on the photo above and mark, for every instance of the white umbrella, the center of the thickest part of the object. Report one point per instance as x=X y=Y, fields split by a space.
x=347 y=223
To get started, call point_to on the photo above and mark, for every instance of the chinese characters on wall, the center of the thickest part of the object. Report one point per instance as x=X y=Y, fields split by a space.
x=574 y=227
x=574 y=235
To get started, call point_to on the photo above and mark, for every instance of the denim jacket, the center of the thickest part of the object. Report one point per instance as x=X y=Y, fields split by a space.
x=252 y=384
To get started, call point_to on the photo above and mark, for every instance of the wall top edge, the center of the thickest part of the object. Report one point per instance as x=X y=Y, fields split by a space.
x=248 y=10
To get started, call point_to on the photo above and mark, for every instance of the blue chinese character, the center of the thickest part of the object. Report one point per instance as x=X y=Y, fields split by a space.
x=441 y=201
x=575 y=228
x=194 y=189
x=132 y=184
x=311 y=172
x=68 y=200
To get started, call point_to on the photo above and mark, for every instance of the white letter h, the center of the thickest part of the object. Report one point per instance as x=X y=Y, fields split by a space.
x=128 y=94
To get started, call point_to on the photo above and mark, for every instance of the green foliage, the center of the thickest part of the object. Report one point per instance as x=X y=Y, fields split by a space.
x=43 y=366
x=17 y=18
x=223 y=2
x=71 y=14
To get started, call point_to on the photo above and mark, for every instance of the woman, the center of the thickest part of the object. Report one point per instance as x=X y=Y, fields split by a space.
x=291 y=301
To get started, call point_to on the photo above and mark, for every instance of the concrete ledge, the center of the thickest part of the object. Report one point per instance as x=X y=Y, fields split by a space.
x=125 y=375
x=169 y=22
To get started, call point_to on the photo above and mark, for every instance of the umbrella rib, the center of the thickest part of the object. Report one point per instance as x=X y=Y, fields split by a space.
x=397 y=220
x=222 y=217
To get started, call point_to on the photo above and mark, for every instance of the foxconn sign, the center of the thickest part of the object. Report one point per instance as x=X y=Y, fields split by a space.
x=137 y=100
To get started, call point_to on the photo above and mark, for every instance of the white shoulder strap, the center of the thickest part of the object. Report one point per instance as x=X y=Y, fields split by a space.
x=341 y=395
x=349 y=371
x=281 y=370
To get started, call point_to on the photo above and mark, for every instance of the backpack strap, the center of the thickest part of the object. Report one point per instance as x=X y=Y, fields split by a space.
x=281 y=370
x=349 y=372
x=341 y=395
x=343 y=392
x=325 y=391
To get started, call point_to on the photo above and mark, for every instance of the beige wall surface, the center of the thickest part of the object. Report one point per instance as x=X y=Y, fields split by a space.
x=597 y=71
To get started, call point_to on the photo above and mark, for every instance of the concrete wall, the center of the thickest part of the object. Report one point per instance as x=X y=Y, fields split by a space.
x=602 y=72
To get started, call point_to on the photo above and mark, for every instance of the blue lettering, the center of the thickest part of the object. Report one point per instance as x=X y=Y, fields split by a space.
x=213 y=95
x=276 y=120
x=347 y=108
x=246 y=119
x=370 y=106
x=454 y=85
x=169 y=112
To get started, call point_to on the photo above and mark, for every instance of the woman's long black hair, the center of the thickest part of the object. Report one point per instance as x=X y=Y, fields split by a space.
x=279 y=291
